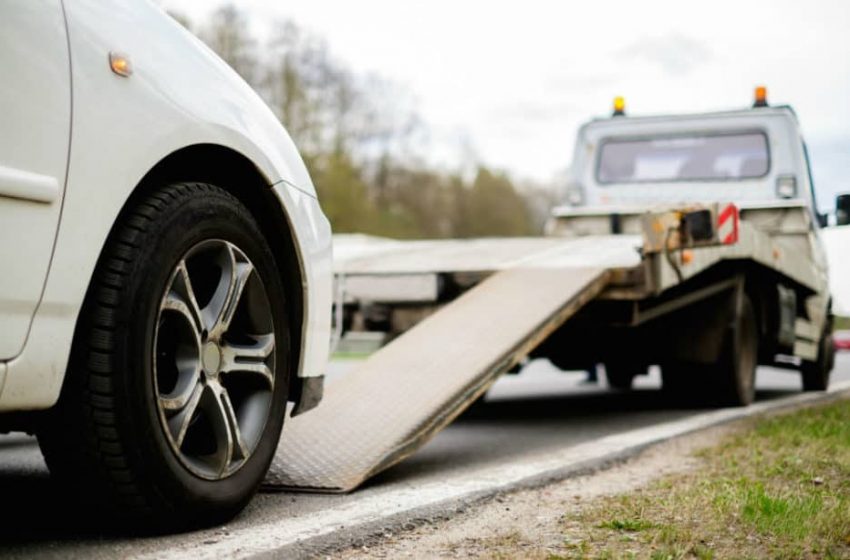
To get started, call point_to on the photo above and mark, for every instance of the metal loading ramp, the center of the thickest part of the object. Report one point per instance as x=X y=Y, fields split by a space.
x=409 y=390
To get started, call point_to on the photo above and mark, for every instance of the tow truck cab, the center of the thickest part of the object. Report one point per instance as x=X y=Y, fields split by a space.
x=749 y=156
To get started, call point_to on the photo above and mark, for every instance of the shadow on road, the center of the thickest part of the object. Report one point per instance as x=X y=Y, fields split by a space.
x=36 y=511
x=588 y=406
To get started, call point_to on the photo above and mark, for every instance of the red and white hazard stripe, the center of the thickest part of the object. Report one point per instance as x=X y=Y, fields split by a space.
x=727 y=224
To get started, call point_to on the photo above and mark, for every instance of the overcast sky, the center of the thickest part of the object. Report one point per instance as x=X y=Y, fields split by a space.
x=513 y=80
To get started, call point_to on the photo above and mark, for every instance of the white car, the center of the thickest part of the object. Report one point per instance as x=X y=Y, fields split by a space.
x=165 y=266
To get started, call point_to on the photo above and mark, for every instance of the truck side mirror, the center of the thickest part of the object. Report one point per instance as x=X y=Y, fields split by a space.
x=842 y=210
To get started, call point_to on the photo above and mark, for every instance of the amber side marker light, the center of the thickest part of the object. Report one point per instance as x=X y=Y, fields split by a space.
x=120 y=64
x=760 y=97
x=619 y=106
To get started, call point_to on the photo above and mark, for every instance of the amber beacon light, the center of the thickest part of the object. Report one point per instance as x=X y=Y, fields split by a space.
x=619 y=106
x=760 y=97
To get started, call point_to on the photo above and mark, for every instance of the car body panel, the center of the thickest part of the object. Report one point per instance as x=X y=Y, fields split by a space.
x=178 y=95
x=34 y=137
x=315 y=247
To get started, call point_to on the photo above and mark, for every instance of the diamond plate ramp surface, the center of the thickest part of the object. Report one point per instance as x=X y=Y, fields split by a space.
x=407 y=391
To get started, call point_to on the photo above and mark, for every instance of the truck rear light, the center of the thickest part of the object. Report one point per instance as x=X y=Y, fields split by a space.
x=786 y=186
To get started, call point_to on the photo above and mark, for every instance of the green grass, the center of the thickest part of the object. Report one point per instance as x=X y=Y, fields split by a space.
x=842 y=323
x=630 y=525
x=780 y=515
x=779 y=489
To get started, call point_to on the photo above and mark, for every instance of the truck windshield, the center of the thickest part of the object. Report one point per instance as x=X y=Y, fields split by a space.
x=704 y=157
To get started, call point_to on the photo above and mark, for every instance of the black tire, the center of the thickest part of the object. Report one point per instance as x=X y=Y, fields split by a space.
x=687 y=384
x=734 y=373
x=678 y=380
x=107 y=438
x=816 y=374
x=620 y=375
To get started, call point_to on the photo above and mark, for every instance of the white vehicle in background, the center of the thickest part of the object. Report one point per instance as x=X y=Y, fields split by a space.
x=166 y=266
x=755 y=159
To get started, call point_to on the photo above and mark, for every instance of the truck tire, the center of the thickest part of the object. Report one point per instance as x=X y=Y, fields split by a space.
x=734 y=374
x=620 y=375
x=177 y=385
x=679 y=380
x=816 y=374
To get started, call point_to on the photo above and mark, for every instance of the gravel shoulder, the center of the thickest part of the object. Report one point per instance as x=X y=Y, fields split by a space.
x=774 y=485
x=529 y=523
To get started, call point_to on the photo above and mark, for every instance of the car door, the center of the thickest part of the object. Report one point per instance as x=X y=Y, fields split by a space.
x=35 y=125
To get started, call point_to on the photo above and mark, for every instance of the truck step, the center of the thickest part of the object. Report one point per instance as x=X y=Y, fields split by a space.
x=409 y=390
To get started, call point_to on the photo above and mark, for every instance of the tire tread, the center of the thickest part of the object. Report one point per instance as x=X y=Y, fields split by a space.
x=95 y=403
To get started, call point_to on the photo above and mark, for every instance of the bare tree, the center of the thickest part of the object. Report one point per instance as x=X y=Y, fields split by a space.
x=227 y=33
x=358 y=136
x=181 y=18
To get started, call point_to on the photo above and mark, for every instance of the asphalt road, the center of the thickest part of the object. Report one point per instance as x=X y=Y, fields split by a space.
x=537 y=411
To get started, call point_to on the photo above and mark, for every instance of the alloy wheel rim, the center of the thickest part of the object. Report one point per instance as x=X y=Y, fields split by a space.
x=214 y=359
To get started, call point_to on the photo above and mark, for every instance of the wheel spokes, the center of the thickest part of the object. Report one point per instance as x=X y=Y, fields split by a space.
x=240 y=450
x=178 y=399
x=181 y=298
x=236 y=270
x=179 y=423
x=214 y=374
x=249 y=359
x=225 y=425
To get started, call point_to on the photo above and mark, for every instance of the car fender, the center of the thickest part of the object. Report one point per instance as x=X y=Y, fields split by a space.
x=178 y=94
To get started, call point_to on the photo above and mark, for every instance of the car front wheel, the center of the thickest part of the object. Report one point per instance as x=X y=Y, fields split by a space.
x=176 y=390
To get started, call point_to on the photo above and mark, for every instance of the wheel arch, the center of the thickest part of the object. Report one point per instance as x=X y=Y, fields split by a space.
x=237 y=174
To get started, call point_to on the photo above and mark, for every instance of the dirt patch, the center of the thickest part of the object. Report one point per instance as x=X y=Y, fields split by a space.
x=530 y=523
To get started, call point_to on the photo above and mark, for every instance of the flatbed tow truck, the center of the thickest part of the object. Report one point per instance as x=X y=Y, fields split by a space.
x=689 y=242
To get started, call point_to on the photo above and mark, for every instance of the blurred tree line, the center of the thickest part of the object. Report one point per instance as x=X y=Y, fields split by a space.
x=357 y=136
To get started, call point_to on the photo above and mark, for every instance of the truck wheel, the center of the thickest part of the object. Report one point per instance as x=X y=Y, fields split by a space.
x=177 y=385
x=678 y=379
x=735 y=371
x=620 y=375
x=816 y=374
